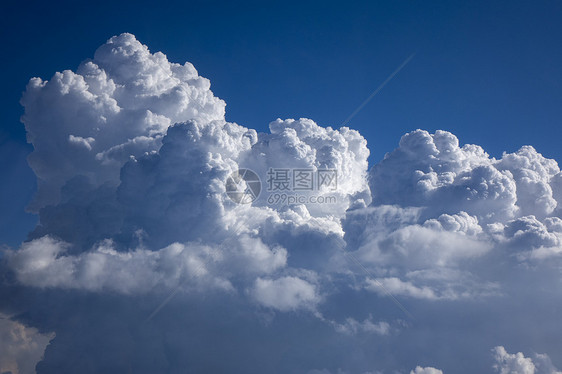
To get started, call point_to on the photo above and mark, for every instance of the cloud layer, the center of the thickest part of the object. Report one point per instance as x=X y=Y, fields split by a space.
x=142 y=261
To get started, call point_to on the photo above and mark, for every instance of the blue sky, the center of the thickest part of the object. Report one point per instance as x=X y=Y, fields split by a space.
x=134 y=153
x=490 y=72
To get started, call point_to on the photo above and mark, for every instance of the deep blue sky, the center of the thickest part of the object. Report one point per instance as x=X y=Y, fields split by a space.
x=490 y=72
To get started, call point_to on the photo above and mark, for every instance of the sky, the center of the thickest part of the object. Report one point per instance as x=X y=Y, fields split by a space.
x=438 y=250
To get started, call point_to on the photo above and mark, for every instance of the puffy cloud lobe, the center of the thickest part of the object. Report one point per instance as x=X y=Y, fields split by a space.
x=391 y=234
x=21 y=347
x=532 y=174
x=431 y=170
x=120 y=103
x=43 y=263
x=308 y=146
x=517 y=363
x=285 y=294
x=461 y=223
x=427 y=244
x=424 y=165
x=528 y=231
x=419 y=260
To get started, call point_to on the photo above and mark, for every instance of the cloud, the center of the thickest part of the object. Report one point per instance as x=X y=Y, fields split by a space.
x=285 y=294
x=140 y=250
x=306 y=145
x=426 y=370
x=517 y=363
x=44 y=263
x=438 y=207
x=117 y=104
x=395 y=286
x=21 y=347
x=352 y=326
x=432 y=170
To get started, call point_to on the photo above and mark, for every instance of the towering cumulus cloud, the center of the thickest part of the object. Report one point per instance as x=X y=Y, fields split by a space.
x=146 y=260
x=116 y=105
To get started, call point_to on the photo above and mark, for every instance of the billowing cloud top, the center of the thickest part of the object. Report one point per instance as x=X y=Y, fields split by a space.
x=117 y=105
x=426 y=261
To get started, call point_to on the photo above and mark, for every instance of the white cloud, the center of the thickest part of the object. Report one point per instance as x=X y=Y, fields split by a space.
x=80 y=141
x=517 y=363
x=132 y=153
x=306 y=145
x=125 y=97
x=432 y=170
x=285 y=294
x=395 y=286
x=512 y=363
x=426 y=370
x=45 y=263
x=21 y=347
x=544 y=364
x=352 y=326
x=532 y=174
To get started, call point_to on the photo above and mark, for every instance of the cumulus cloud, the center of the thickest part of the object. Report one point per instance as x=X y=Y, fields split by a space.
x=517 y=363
x=305 y=145
x=431 y=170
x=117 y=104
x=44 y=263
x=426 y=370
x=21 y=347
x=438 y=207
x=285 y=294
x=132 y=154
